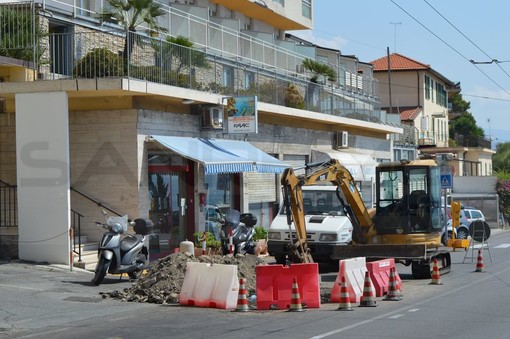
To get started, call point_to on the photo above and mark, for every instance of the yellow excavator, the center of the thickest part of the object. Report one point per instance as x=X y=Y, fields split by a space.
x=405 y=223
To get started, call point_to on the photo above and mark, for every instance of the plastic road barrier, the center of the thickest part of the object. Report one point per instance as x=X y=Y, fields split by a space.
x=354 y=271
x=274 y=285
x=380 y=275
x=207 y=285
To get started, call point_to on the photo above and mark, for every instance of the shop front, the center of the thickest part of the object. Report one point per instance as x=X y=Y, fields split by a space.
x=193 y=181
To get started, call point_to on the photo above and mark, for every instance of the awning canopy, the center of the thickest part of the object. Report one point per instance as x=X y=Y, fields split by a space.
x=361 y=166
x=221 y=155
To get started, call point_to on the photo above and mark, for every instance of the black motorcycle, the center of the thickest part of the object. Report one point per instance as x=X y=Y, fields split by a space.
x=237 y=233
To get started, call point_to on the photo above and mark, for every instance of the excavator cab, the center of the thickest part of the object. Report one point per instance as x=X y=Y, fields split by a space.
x=408 y=198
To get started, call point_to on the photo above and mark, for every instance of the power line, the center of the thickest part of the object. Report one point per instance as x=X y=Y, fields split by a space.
x=451 y=47
x=468 y=39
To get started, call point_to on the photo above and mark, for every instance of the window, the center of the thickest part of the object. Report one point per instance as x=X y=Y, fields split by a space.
x=427 y=87
x=249 y=79
x=228 y=76
x=280 y=2
x=306 y=8
x=441 y=98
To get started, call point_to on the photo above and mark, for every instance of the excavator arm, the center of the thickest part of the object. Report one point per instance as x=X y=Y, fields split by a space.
x=331 y=171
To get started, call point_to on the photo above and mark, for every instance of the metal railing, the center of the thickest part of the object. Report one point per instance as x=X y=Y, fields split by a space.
x=471 y=141
x=240 y=64
x=76 y=226
x=8 y=205
x=101 y=55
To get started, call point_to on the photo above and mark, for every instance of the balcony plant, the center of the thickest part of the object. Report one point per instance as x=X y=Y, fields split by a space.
x=319 y=71
x=293 y=98
x=130 y=14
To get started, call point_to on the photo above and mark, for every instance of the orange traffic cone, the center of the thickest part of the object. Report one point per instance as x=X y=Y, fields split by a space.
x=368 y=298
x=345 y=300
x=479 y=263
x=242 y=301
x=393 y=290
x=295 y=300
x=436 y=277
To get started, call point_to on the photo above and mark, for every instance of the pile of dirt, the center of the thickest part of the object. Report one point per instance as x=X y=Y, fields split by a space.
x=163 y=282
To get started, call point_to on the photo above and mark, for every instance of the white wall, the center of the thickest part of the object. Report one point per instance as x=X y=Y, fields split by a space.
x=42 y=156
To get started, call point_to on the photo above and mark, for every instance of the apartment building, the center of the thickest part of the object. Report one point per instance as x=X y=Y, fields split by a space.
x=92 y=116
x=418 y=94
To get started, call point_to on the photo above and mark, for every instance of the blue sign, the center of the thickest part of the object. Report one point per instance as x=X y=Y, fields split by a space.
x=446 y=181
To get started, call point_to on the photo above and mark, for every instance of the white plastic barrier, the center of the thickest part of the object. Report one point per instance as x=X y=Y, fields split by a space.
x=354 y=270
x=210 y=285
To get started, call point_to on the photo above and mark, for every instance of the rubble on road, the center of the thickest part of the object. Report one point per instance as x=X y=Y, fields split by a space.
x=163 y=282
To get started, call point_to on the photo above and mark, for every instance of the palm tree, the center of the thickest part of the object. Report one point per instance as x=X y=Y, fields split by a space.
x=319 y=69
x=130 y=14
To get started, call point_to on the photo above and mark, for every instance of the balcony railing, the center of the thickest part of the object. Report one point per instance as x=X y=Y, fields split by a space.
x=237 y=64
x=471 y=141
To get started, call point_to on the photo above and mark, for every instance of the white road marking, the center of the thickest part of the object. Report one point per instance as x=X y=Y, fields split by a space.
x=21 y=287
x=396 y=316
x=502 y=246
x=413 y=310
x=442 y=295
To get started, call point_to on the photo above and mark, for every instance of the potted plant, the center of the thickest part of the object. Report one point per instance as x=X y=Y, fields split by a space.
x=213 y=246
x=260 y=238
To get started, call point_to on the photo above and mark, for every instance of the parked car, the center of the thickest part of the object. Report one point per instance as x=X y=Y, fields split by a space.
x=467 y=216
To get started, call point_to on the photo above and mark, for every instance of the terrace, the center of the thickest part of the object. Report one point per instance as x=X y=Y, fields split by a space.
x=221 y=60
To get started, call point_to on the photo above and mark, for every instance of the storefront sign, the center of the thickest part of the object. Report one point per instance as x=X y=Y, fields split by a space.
x=242 y=114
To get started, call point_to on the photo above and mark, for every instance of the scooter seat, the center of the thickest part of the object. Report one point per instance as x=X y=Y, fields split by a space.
x=129 y=242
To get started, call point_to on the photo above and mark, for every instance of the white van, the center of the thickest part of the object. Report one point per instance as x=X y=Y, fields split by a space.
x=326 y=224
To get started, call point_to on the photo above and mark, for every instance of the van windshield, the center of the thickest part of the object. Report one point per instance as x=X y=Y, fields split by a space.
x=320 y=203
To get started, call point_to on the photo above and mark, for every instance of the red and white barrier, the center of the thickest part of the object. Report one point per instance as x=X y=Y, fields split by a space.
x=354 y=271
x=380 y=275
x=207 y=285
x=274 y=285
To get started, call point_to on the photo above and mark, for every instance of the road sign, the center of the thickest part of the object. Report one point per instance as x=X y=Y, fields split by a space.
x=446 y=177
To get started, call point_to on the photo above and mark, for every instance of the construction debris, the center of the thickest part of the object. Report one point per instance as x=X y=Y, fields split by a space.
x=163 y=282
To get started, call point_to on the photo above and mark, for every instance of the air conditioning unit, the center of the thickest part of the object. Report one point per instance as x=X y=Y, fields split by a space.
x=212 y=117
x=341 y=139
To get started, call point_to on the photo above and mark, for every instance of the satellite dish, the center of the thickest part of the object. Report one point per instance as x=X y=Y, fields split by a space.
x=479 y=230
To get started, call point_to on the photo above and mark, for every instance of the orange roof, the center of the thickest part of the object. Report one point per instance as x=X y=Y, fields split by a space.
x=398 y=62
x=409 y=113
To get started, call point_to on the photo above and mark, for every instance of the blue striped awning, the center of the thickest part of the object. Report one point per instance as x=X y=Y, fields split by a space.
x=223 y=156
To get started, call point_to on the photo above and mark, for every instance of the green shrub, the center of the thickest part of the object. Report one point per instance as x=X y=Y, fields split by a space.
x=99 y=63
x=210 y=240
x=293 y=98
x=260 y=233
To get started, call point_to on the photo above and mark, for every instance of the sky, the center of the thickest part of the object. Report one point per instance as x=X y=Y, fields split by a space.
x=443 y=34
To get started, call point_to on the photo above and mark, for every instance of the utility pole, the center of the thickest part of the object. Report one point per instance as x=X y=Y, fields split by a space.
x=395 y=35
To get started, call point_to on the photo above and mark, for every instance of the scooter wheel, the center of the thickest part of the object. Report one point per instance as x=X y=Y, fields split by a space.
x=101 y=269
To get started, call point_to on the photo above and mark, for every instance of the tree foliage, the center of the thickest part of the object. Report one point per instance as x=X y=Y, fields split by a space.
x=501 y=160
x=458 y=103
x=318 y=69
x=130 y=14
x=464 y=124
x=503 y=190
x=179 y=50
x=18 y=29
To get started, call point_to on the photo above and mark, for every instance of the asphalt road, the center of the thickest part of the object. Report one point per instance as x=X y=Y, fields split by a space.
x=40 y=301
